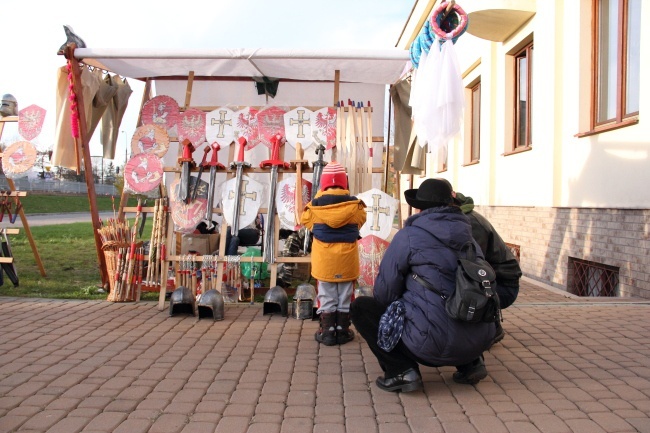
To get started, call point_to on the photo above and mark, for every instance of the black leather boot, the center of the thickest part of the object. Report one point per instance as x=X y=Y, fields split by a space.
x=343 y=332
x=471 y=373
x=406 y=381
x=326 y=334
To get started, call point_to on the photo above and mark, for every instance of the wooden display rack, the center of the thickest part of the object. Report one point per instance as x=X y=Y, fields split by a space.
x=23 y=218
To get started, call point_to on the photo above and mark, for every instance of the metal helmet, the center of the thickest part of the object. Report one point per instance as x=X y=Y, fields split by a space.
x=211 y=304
x=363 y=291
x=182 y=301
x=276 y=301
x=305 y=291
x=9 y=105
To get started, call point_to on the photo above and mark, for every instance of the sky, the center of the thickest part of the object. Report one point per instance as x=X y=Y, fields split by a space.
x=34 y=32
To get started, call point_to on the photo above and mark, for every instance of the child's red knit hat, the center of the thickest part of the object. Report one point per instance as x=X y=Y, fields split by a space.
x=333 y=175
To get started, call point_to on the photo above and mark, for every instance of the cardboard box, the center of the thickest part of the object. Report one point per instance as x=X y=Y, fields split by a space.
x=200 y=244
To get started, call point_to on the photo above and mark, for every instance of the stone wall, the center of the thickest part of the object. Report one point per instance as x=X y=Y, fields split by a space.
x=549 y=236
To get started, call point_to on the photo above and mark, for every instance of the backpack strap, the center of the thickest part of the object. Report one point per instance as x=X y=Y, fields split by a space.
x=428 y=285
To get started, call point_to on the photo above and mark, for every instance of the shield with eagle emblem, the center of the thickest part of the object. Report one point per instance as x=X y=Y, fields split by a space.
x=191 y=126
x=245 y=125
x=381 y=209
x=297 y=126
x=270 y=122
x=323 y=127
x=30 y=121
x=250 y=200
x=286 y=202
x=371 y=251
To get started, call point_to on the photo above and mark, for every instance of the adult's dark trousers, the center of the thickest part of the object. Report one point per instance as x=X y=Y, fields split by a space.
x=366 y=312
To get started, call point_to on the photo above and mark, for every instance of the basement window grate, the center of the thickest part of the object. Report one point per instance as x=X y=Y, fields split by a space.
x=591 y=279
x=515 y=250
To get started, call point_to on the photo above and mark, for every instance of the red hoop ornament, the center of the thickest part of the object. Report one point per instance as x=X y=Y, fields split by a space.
x=452 y=26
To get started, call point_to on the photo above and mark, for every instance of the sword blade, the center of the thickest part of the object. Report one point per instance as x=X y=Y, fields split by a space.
x=269 y=230
x=211 y=186
x=184 y=188
x=234 y=228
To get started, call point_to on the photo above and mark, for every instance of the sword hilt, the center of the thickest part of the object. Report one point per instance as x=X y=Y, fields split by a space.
x=188 y=149
x=239 y=162
x=214 y=161
x=276 y=141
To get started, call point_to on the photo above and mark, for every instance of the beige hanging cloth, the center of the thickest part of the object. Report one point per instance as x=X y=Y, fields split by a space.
x=102 y=99
x=112 y=118
x=63 y=153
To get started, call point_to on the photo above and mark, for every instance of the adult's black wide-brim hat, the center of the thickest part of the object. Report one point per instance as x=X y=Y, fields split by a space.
x=431 y=193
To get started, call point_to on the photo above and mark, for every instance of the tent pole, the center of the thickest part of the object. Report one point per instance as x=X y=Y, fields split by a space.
x=90 y=181
x=337 y=80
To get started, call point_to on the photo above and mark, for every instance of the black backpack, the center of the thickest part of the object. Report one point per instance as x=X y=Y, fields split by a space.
x=474 y=299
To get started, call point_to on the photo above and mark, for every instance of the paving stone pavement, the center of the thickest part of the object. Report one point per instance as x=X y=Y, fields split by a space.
x=566 y=365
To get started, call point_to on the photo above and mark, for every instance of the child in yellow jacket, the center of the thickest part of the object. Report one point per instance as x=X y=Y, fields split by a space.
x=334 y=217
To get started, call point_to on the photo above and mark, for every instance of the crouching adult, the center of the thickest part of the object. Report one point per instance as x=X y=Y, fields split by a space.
x=415 y=329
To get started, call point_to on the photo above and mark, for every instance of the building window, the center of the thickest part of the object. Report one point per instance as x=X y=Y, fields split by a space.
x=617 y=54
x=587 y=278
x=523 y=97
x=475 y=131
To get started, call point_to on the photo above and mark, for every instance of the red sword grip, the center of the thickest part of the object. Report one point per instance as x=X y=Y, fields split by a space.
x=214 y=161
x=242 y=144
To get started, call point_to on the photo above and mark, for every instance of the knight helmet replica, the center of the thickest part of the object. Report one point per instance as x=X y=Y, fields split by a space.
x=211 y=304
x=303 y=302
x=182 y=302
x=276 y=301
x=363 y=291
x=9 y=105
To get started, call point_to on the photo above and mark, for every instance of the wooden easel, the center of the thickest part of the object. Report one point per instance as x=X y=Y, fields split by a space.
x=23 y=218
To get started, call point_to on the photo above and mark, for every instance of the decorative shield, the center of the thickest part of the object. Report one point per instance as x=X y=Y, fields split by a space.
x=371 y=251
x=192 y=126
x=249 y=202
x=187 y=216
x=30 y=121
x=143 y=173
x=381 y=210
x=150 y=139
x=220 y=126
x=246 y=126
x=270 y=122
x=323 y=127
x=285 y=200
x=18 y=158
x=297 y=126
x=162 y=111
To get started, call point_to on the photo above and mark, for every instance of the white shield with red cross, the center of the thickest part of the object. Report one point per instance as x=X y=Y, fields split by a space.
x=250 y=200
x=323 y=127
x=297 y=127
x=220 y=126
x=270 y=122
x=30 y=121
x=245 y=125
x=380 y=209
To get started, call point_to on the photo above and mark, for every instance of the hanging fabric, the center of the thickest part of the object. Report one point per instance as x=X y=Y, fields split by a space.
x=112 y=118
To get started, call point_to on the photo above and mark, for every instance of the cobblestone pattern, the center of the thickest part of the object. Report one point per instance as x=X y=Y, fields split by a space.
x=566 y=365
x=549 y=236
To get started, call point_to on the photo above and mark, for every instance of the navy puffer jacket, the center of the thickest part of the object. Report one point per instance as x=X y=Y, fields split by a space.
x=430 y=334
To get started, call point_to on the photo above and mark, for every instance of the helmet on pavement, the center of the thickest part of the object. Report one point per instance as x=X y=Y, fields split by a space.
x=211 y=304
x=276 y=301
x=182 y=301
x=303 y=302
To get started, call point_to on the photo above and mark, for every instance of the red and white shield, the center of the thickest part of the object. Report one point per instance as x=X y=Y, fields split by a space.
x=371 y=251
x=323 y=127
x=143 y=173
x=150 y=139
x=381 y=209
x=297 y=126
x=162 y=111
x=187 y=216
x=192 y=126
x=30 y=121
x=220 y=126
x=246 y=126
x=18 y=158
x=270 y=122
x=285 y=200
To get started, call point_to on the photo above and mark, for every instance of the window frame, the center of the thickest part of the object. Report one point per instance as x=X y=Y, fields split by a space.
x=527 y=53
